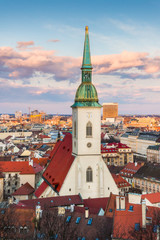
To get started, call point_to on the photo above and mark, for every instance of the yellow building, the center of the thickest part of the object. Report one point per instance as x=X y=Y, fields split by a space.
x=110 y=110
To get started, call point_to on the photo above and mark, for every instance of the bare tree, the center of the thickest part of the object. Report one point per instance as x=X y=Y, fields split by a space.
x=15 y=224
x=51 y=226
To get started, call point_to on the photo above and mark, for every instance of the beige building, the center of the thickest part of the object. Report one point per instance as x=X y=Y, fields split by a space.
x=110 y=110
x=139 y=142
x=16 y=174
x=153 y=153
x=147 y=178
x=116 y=154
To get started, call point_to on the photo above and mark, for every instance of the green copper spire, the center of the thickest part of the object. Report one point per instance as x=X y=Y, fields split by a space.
x=86 y=95
x=86 y=54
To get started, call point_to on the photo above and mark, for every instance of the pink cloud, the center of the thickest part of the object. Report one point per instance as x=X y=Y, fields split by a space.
x=54 y=40
x=107 y=63
x=24 y=44
x=25 y=63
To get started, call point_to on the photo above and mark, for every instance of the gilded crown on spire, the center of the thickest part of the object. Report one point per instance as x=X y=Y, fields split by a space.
x=86 y=28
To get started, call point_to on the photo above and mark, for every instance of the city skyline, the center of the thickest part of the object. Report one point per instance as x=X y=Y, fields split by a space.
x=41 y=50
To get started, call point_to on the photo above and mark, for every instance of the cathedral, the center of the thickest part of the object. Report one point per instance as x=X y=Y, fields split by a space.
x=76 y=164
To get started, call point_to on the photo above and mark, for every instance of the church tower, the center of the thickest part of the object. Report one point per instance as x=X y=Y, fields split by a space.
x=76 y=165
x=86 y=112
x=92 y=177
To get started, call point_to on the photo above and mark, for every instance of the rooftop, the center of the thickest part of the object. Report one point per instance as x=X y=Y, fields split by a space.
x=21 y=167
x=25 y=189
x=61 y=161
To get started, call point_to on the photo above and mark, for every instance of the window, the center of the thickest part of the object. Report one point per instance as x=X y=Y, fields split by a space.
x=8 y=183
x=89 y=174
x=89 y=129
x=137 y=227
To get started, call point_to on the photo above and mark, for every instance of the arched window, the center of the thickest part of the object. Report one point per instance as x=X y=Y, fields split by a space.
x=89 y=129
x=75 y=129
x=89 y=177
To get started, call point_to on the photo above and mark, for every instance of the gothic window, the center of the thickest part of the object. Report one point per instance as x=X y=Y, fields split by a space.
x=75 y=129
x=89 y=129
x=89 y=177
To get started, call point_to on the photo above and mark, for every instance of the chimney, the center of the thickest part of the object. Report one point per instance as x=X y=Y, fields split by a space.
x=10 y=200
x=143 y=214
x=117 y=203
x=122 y=203
x=86 y=212
x=72 y=208
x=31 y=162
x=135 y=164
x=38 y=212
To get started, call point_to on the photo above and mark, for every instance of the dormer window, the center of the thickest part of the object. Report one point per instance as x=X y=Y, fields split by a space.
x=89 y=129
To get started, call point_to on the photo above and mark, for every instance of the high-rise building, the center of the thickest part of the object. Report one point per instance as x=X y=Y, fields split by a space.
x=110 y=111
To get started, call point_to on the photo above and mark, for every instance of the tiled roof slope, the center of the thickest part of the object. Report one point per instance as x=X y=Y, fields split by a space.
x=120 y=182
x=22 y=167
x=41 y=189
x=96 y=203
x=124 y=221
x=152 y=197
x=149 y=170
x=25 y=189
x=130 y=168
x=61 y=161
x=41 y=161
x=51 y=202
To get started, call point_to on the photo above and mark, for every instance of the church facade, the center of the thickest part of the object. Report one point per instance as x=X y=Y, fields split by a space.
x=84 y=169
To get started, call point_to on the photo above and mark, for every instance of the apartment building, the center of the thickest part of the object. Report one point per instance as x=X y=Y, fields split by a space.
x=147 y=178
x=117 y=154
x=153 y=153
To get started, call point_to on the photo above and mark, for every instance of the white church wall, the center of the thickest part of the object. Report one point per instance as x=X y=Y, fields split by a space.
x=82 y=116
x=75 y=181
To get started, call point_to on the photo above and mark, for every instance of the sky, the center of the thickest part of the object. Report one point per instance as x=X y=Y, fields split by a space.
x=41 y=48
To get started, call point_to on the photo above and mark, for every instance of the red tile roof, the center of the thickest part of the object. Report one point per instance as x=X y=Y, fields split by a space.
x=110 y=208
x=112 y=147
x=41 y=189
x=96 y=203
x=120 y=182
x=61 y=161
x=37 y=167
x=21 y=167
x=41 y=161
x=25 y=189
x=130 y=168
x=51 y=202
x=124 y=221
x=152 y=197
x=108 y=150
